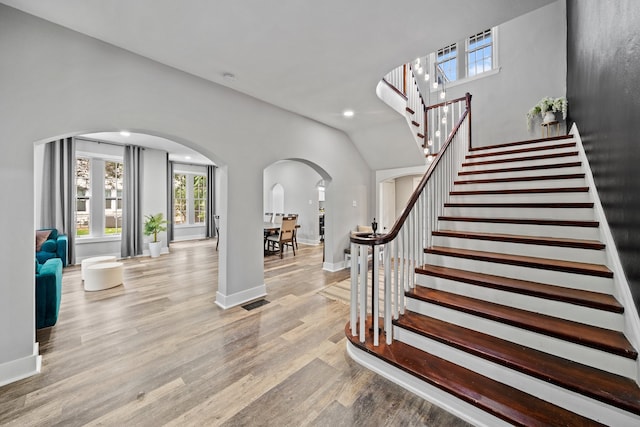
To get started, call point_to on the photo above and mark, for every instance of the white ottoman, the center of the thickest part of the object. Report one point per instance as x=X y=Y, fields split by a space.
x=103 y=275
x=94 y=260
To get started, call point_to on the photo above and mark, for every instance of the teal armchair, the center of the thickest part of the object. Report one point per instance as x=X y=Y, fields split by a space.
x=56 y=246
x=48 y=292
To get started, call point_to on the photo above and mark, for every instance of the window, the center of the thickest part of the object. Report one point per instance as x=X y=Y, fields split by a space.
x=478 y=59
x=99 y=185
x=83 y=196
x=179 y=199
x=479 y=53
x=189 y=198
x=447 y=63
x=199 y=199
x=112 y=197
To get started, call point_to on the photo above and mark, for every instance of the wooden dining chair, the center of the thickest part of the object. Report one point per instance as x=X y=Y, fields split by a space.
x=284 y=237
x=295 y=230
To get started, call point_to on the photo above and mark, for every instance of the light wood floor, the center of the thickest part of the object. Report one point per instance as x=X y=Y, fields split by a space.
x=158 y=351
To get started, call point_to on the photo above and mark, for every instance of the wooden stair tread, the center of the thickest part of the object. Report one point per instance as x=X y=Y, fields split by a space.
x=591 y=336
x=521 y=191
x=552 y=205
x=522 y=150
x=579 y=297
x=564 y=223
x=413 y=122
x=533 y=240
x=523 y=168
x=521 y=159
x=603 y=386
x=525 y=142
x=520 y=179
x=500 y=400
x=525 y=261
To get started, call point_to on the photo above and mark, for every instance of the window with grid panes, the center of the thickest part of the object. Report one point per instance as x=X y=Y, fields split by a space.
x=479 y=53
x=447 y=62
x=83 y=196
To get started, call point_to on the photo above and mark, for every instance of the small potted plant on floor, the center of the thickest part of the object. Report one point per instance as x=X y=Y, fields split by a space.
x=153 y=225
x=546 y=108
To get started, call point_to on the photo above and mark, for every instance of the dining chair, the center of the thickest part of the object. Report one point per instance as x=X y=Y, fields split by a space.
x=284 y=237
x=216 y=221
x=268 y=217
x=295 y=230
x=277 y=219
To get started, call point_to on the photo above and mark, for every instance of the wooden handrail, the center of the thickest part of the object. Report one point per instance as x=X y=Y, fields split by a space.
x=366 y=238
x=395 y=89
x=452 y=101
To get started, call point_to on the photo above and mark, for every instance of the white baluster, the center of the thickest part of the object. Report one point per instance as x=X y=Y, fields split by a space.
x=375 y=296
x=354 y=289
x=362 y=257
x=387 y=292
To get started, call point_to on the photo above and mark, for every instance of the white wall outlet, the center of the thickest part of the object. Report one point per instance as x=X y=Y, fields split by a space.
x=355 y=204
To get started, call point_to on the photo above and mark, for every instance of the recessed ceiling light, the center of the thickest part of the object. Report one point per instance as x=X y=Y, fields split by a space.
x=348 y=113
x=125 y=133
x=187 y=157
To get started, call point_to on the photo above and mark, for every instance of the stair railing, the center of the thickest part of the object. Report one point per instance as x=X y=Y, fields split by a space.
x=402 y=249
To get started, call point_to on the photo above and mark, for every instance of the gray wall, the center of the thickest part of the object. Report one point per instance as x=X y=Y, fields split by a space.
x=603 y=90
x=532 y=59
x=59 y=83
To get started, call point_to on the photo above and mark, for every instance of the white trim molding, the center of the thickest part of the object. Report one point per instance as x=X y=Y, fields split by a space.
x=228 y=301
x=18 y=369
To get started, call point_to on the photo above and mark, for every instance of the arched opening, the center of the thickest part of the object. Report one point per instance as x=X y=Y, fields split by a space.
x=171 y=179
x=297 y=180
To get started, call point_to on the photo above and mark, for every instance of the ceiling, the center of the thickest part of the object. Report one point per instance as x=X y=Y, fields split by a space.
x=314 y=58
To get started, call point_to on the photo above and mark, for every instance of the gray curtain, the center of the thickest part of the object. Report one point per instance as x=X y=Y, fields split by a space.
x=59 y=190
x=169 y=200
x=211 y=201
x=131 y=242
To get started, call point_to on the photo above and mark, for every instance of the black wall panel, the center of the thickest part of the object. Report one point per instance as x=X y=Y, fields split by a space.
x=603 y=89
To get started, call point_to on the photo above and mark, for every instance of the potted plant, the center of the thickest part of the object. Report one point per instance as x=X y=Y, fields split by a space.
x=153 y=225
x=546 y=108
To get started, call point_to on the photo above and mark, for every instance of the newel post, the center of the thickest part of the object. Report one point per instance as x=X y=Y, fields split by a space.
x=468 y=100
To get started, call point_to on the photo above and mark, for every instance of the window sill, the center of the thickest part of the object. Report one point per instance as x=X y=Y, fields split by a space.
x=469 y=79
x=101 y=239
x=180 y=226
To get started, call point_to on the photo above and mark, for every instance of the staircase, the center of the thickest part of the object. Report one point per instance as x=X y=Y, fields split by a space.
x=512 y=313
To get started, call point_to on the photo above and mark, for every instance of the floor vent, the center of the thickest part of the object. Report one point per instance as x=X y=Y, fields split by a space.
x=255 y=304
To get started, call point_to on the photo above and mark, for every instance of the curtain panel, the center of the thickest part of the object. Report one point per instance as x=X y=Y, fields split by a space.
x=59 y=190
x=131 y=239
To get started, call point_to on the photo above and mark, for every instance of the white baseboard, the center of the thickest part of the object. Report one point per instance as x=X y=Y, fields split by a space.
x=229 y=301
x=333 y=266
x=16 y=370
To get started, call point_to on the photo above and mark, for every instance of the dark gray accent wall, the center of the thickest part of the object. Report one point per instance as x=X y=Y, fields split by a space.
x=603 y=89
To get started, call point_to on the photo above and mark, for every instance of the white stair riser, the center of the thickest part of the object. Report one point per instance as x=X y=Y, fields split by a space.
x=591 y=256
x=473 y=166
x=550 y=277
x=530 y=145
x=499 y=155
x=513 y=185
x=578 y=214
x=571 y=197
x=585 y=233
x=579 y=353
x=517 y=174
x=574 y=402
x=559 y=309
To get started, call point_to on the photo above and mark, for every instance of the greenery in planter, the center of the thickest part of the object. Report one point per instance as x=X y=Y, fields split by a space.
x=154 y=224
x=547 y=104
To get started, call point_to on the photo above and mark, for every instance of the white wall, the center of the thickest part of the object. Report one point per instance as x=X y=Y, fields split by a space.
x=300 y=195
x=154 y=191
x=532 y=59
x=59 y=83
